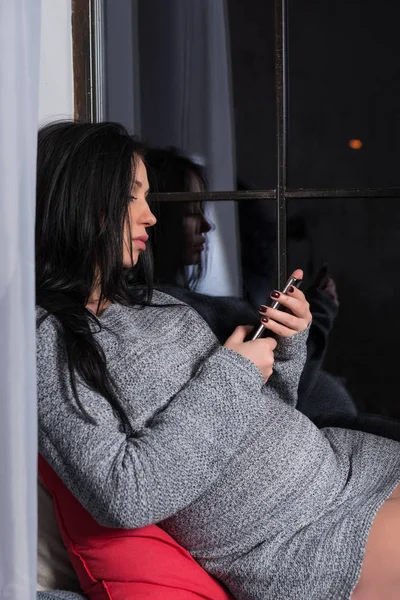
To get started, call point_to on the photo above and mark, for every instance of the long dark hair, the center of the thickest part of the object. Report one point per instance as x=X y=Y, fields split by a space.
x=169 y=171
x=84 y=177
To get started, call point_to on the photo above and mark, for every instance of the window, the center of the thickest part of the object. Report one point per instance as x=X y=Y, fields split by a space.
x=292 y=115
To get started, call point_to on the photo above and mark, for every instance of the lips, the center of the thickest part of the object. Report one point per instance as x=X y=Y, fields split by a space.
x=200 y=244
x=140 y=242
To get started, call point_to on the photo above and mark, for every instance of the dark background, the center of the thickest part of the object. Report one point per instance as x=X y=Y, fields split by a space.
x=344 y=83
x=344 y=62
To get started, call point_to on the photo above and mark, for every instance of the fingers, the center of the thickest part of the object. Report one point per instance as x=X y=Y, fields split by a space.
x=240 y=333
x=282 y=330
x=271 y=343
x=259 y=352
x=296 y=318
x=298 y=274
x=267 y=347
x=284 y=324
x=286 y=319
x=294 y=300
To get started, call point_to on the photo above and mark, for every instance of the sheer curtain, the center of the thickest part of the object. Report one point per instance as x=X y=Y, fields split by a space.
x=19 y=91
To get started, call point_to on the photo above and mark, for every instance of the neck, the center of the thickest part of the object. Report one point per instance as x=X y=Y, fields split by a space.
x=94 y=303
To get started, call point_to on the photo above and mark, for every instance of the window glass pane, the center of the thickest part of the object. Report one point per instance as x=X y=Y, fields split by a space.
x=358 y=239
x=185 y=83
x=253 y=80
x=344 y=94
x=198 y=76
x=217 y=249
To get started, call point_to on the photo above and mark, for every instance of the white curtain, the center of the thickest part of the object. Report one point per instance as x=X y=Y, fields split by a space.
x=19 y=91
x=186 y=101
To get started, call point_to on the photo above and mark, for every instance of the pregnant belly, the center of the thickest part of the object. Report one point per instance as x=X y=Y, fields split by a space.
x=284 y=477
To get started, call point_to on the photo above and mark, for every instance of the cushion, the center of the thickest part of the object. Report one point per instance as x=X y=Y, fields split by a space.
x=120 y=564
x=54 y=569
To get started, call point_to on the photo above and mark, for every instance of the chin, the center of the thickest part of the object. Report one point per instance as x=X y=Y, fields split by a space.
x=193 y=259
x=128 y=263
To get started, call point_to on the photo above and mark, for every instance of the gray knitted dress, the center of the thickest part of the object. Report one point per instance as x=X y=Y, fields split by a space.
x=266 y=502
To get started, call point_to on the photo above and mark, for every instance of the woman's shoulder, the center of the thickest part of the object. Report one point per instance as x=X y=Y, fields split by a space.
x=49 y=342
x=163 y=298
x=47 y=325
x=188 y=311
x=49 y=335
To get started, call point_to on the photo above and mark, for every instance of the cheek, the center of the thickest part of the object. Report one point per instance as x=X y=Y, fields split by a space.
x=129 y=224
x=129 y=250
x=127 y=239
x=189 y=227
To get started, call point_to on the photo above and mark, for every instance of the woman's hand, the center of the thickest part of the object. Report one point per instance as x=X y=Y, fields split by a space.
x=260 y=352
x=324 y=283
x=286 y=324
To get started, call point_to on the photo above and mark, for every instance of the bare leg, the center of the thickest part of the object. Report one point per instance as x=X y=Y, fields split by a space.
x=380 y=575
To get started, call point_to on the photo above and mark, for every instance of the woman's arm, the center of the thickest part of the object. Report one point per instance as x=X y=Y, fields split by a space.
x=292 y=326
x=290 y=358
x=127 y=480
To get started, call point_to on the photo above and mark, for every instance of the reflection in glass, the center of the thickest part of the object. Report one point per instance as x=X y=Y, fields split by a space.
x=179 y=242
x=257 y=225
x=181 y=246
x=251 y=30
x=358 y=241
x=181 y=254
x=197 y=75
x=185 y=87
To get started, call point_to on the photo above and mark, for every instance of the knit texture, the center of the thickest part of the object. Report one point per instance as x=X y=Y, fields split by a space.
x=264 y=500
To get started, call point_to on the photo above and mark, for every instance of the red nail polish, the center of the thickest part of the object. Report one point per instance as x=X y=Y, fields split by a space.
x=291 y=289
x=263 y=308
x=264 y=319
x=275 y=294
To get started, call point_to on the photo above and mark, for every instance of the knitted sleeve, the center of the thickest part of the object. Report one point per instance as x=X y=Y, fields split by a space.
x=290 y=358
x=127 y=480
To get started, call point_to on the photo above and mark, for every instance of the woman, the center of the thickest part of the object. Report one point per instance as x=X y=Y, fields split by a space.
x=146 y=418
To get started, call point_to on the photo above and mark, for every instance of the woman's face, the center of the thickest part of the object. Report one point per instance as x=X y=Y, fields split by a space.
x=139 y=218
x=195 y=226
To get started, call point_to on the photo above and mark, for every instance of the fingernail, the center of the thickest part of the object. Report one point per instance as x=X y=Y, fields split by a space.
x=264 y=319
x=275 y=294
x=291 y=289
x=263 y=308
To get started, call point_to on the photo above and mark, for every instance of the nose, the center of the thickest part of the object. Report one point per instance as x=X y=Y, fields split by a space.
x=205 y=226
x=148 y=219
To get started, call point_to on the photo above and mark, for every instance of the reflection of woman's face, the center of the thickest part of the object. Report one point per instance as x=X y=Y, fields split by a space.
x=195 y=225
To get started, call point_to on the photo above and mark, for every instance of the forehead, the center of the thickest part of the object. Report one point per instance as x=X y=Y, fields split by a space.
x=141 y=181
x=195 y=207
x=195 y=184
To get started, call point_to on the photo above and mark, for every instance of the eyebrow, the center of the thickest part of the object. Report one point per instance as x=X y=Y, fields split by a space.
x=139 y=184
